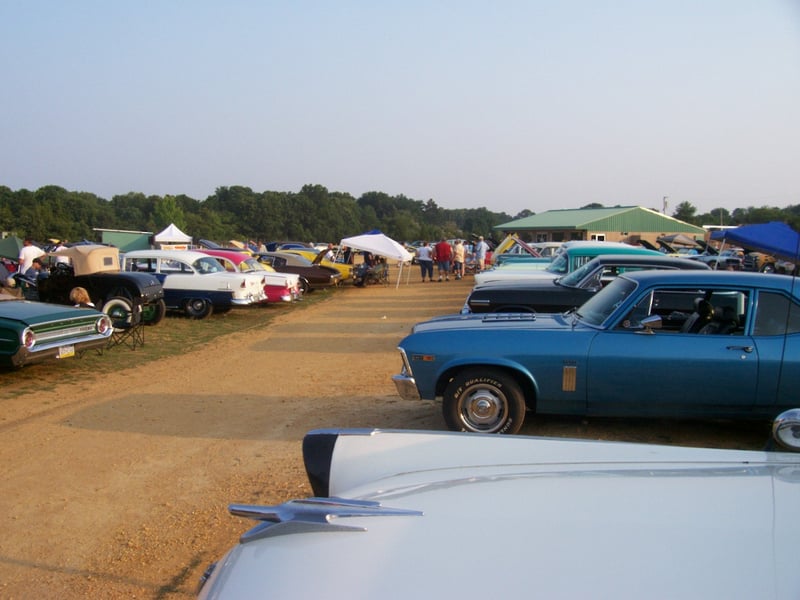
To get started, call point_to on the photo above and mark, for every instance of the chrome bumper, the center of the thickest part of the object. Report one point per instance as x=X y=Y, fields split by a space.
x=406 y=387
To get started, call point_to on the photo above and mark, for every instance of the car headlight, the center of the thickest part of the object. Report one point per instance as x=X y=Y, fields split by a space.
x=786 y=429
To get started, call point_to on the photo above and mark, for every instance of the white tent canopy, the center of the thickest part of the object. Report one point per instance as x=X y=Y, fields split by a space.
x=172 y=235
x=376 y=242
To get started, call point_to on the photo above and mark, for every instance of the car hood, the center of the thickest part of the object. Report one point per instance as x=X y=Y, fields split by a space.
x=577 y=518
x=32 y=313
x=495 y=321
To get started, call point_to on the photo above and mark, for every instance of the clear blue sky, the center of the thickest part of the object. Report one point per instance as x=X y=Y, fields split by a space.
x=508 y=105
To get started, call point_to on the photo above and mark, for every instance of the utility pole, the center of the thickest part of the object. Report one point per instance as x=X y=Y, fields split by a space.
x=664 y=205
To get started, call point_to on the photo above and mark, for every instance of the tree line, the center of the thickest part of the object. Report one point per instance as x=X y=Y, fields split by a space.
x=312 y=214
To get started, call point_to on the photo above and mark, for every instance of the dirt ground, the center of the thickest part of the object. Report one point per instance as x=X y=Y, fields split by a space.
x=118 y=488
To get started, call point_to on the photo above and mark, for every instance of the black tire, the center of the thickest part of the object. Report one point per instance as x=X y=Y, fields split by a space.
x=484 y=401
x=198 y=308
x=768 y=268
x=120 y=311
x=305 y=287
x=153 y=313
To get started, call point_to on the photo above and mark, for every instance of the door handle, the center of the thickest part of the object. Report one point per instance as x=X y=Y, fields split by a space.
x=747 y=349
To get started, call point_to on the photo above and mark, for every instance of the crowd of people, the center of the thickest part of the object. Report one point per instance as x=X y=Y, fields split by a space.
x=451 y=259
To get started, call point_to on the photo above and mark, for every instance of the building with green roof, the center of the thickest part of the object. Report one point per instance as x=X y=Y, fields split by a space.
x=618 y=224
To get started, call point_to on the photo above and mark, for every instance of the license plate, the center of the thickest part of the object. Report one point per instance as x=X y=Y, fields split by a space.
x=66 y=351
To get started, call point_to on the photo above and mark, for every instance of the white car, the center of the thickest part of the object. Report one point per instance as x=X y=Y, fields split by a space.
x=196 y=283
x=453 y=515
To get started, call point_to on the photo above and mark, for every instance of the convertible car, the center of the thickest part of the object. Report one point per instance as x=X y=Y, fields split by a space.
x=568 y=291
x=410 y=514
x=704 y=344
x=33 y=332
x=126 y=297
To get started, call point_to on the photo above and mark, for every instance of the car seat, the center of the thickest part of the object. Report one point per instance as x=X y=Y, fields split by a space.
x=702 y=316
x=725 y=322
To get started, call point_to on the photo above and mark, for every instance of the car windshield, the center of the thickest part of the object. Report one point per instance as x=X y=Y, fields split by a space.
x=574 y=279
x=207 y=264
x=599 y=307
x=251 y=264
x=559 y=265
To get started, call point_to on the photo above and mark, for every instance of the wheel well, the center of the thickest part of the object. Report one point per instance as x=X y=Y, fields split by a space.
x=526 y=385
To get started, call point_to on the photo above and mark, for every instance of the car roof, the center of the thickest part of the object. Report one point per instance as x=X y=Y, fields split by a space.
x=649 y=259
x=716 y=278
x=188 y=255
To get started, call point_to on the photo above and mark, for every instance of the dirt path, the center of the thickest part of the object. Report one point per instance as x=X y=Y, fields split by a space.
x=118 y=488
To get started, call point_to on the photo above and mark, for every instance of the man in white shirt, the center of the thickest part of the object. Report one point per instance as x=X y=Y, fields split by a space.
x=27 y=253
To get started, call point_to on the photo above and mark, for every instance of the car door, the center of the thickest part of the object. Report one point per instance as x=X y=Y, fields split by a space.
x=640 y=372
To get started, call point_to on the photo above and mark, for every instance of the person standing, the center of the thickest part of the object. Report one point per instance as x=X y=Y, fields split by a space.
x=425 y=260
x=444 y=254
x=481 y=248
x=26 y=255
x=62 y=260
x=459 y=254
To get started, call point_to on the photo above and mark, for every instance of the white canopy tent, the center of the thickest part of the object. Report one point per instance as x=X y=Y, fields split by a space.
x=172 y=237
x=376 y=242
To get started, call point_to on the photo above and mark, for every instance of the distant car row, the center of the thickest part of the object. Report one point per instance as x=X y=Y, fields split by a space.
x=139 y=287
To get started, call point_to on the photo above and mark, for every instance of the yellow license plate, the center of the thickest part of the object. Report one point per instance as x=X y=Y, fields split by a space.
x=66 y=351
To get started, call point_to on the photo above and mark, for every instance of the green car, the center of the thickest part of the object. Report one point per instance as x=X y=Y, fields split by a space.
x=33 y=332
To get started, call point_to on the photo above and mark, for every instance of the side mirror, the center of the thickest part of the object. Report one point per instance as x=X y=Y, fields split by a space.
x=786 y=430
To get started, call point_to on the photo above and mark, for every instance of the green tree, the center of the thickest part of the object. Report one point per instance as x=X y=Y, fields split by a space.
x=685 y=212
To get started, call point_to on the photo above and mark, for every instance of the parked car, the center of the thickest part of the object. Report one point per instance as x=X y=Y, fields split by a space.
x=705 y=344
x=402 y=514
x=574 y=254
x=34 y=332
x=195 y=283
x=278 y=287
x=312 y=275
x=760 y=262
x=568 y=291
x=126 y=297
x=318 y=258
x=700 y=251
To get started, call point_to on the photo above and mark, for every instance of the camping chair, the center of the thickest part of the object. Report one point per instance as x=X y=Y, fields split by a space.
x=378 y=273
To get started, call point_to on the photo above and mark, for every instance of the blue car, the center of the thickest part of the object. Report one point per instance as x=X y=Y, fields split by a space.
x=688 y=344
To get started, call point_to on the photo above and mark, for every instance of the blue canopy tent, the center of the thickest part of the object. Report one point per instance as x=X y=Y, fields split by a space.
x=775 y=238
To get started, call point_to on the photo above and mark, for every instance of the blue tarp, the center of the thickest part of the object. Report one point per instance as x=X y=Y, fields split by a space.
x=775 y=238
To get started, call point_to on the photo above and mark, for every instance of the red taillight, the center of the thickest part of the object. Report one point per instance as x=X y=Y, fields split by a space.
x=244 y=284
x=103 y=324
x=28 y=338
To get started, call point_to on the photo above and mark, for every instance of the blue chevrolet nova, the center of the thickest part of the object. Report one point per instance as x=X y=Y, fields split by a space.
x=696 y=344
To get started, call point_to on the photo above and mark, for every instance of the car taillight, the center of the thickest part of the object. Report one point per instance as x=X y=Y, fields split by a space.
x=103 y=324
x=28 y=338
x=243 y=285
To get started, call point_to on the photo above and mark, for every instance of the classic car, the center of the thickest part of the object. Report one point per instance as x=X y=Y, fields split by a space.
x=513 y=249
x=33 y=332
x=705 y=344
x=573 y=255
x=125 y=297
x=402 y=514
x=312 y=275
x=698 y=250
x=278 y=287
x=195 y=283
x=318 y=258
x=568 y=291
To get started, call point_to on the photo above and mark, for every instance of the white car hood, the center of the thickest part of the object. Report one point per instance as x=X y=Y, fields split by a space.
x=539 y=518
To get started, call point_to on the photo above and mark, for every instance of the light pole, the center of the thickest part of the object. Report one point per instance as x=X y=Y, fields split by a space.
x=664 y=205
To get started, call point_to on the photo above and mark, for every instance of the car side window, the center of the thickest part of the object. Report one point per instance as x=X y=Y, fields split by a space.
x=775 y=315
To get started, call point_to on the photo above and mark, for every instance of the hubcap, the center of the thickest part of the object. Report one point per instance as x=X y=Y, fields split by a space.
x=483 y=410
